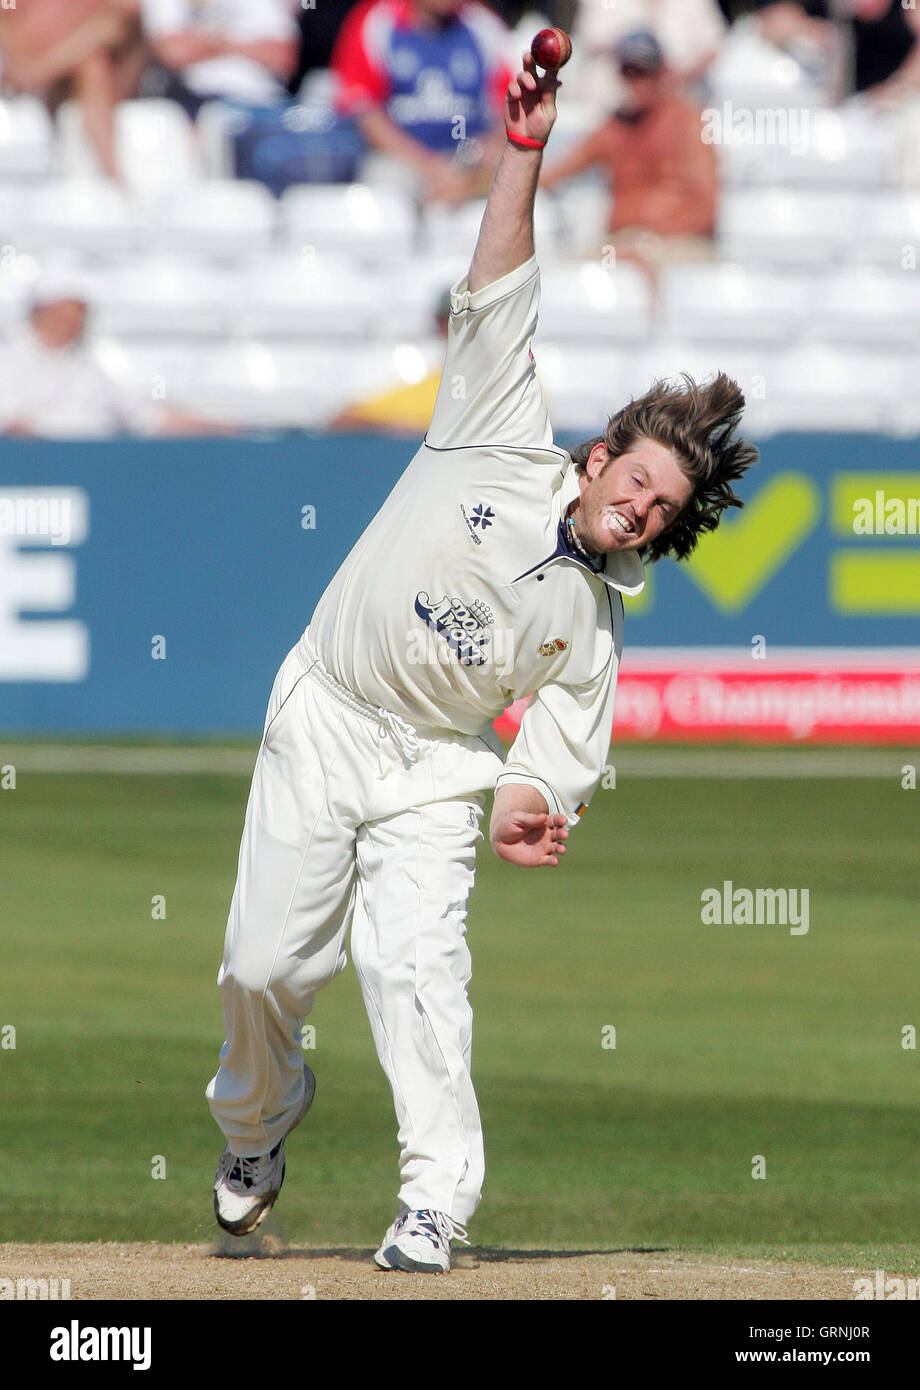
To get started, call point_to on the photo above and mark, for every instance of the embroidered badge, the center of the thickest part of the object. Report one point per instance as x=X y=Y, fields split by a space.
x=479 y=519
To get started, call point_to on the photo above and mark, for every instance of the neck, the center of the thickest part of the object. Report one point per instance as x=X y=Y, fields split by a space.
x=576 y=540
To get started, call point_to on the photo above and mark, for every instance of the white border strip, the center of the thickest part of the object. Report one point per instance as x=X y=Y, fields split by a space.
x=659 y=761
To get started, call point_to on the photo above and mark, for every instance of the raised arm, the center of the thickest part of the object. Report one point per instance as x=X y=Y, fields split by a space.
x=506 y=235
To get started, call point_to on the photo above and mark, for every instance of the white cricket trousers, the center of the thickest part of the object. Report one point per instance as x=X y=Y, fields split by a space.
x=355 y=820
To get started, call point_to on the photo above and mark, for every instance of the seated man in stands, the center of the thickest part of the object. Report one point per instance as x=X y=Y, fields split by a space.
x=426 y=81
x=241 y=50
x=664 y=176
x=52 y=383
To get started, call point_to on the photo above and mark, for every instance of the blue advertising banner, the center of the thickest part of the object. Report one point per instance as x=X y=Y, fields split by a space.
x=155 y=586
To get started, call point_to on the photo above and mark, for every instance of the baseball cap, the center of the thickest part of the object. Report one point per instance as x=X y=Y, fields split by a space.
x=640 y=50
x=56 y=282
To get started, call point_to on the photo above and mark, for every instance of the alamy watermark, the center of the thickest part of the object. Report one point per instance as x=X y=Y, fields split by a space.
x=731 y=906
x=82 y=1343
x=30 y=1290
x=41 y=515
x=881 y=1287
x=788 y=127
x=886 y=516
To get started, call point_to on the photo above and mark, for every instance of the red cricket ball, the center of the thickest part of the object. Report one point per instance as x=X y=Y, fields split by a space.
x=551 y=49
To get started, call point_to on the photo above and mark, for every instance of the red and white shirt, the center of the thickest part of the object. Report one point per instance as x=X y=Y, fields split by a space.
x=439 y=84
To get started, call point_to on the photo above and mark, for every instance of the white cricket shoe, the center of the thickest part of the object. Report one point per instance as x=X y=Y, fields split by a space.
x=245 y=1188
x=419 y=1242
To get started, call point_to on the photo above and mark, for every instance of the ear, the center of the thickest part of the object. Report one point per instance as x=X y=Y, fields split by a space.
x=595 y=461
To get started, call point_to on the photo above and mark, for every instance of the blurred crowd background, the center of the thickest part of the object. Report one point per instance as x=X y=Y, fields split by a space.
x=226 y=215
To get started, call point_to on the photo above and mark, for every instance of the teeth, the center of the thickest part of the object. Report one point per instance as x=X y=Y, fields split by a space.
x=617 y=520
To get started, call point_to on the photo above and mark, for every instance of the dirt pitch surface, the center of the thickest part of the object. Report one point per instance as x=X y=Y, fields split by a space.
x=264 y=1267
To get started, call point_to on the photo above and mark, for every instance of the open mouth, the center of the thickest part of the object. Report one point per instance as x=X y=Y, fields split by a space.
x=618 y=522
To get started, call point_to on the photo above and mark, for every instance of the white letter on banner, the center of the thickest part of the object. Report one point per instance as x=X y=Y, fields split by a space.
x=54 y=649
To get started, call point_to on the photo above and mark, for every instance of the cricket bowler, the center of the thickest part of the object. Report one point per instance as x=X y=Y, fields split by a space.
x=495 y=569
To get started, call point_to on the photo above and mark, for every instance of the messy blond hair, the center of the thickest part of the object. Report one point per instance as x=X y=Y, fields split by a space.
x=698 y=423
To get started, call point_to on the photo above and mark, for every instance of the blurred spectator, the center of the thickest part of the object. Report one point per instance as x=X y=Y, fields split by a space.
x=404 y=408
x=241 y=50
x=664 y=177
x=51 y=381
x=690 y=33
x=426 y=82
x=89 y=51
x=884 y=35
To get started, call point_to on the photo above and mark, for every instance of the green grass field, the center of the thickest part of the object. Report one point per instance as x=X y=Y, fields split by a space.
x=731 y=1041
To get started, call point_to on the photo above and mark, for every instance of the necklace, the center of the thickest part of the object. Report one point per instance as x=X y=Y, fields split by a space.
x=593 y=560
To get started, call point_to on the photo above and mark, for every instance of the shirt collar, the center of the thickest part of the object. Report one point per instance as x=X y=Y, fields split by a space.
x=623 y=569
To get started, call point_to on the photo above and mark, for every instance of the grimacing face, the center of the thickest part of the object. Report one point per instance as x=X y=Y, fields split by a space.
x=626 y=502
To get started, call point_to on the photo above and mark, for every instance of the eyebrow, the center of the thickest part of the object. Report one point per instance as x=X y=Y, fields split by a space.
x=668 y=501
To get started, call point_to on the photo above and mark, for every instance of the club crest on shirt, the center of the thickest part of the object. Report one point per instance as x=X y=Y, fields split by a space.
x=463 y=626
x=479 y=519
x=554 y=645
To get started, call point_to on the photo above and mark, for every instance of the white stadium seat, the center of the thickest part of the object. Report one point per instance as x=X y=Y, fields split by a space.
x=322 y=293
x=453 y=230
x=594 y=303
x=14 y=203
x=904 y=420
x=888 y=232
x=781 y=227
x=154 y=144
x=162 y=370
x=815 y=387
x=26 y=139
x=225 y=219
x=850 y=148
x=374 y=225
x=583 y=210
x=583 y=386
x=866 y=305
x=847 y=149
x=291 y=386
x=162 y=295
x=423 y=285
x=80 y=215
x=319 y=296
x=733 y=303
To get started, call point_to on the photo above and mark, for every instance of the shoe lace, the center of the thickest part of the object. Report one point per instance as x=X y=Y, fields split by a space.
x=245 y=1172
x=432 y=1224
x=452 y=1229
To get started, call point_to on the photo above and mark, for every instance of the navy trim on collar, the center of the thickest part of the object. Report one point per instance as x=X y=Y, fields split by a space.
x=564 y=551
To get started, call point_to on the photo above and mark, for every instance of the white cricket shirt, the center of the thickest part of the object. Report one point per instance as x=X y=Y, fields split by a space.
x=461 y=595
